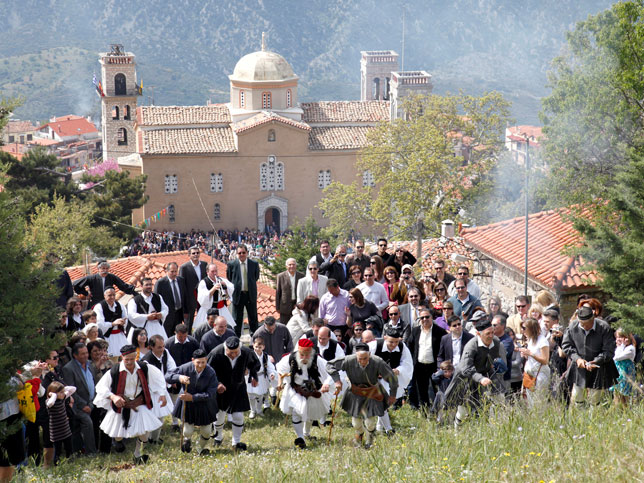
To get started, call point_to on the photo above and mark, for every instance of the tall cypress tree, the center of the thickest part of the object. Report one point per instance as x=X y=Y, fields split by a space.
x=614 y=243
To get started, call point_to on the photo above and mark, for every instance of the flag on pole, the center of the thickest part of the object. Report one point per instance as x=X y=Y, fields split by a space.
x=99 y=87
x=140 y=88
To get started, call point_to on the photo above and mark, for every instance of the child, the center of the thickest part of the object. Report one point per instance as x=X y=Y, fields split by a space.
x=441 y=380
x=258 y=395
x=624 y=360
x=59 y=431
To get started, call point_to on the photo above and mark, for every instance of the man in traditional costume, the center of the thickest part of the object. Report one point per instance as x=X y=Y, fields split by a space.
x=199 y=396
x=214 y=292
x=128 y=392
x=367 y=399
x=148 y=310
x=111 y=318
x=231 y=361
x=306 y=388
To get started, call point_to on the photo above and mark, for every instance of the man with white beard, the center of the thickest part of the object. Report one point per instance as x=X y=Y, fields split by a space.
x=367 y=399
x=306 y=389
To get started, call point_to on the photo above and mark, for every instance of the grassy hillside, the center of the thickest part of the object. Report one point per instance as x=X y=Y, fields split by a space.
x=513 y=445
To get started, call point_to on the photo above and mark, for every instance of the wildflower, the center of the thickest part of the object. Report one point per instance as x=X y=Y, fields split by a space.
x=519 y=428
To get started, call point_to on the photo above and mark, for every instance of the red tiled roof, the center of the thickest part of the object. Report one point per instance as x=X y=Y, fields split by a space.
x=16 y=150
x=44 y=142
x=345 y=111
x=549 y=233
x=15 y=127
x=518 y=133
x=187 y=140
x=266 y=117
x=182 y=115
x=338 y=137
x=70 y=126
x=133 y=269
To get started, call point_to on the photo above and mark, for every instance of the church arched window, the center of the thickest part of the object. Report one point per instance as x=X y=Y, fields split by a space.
x=288 y=97
x=171 y=185
x=271 y=175
x=216 y=182
x=324 y=178
x=217 y=211
x=126 y=113
x=376 y=89
x=266 y=100
x=367 y=179
x=171 y=213
x=121 y=136
x=271 y=135
x=119 y=85
x=115 y=113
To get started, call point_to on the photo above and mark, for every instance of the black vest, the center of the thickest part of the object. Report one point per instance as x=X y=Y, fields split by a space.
x=108 y=314
x=264 y=372
x=115 y=370
x=391 y=358
x=329 y=352
x=142 y=306
x=162 y=364
x=215 y=296
x=314 y=374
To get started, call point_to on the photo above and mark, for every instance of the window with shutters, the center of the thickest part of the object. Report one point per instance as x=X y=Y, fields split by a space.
x=288 y=97
x=217 y=211
x=266 y=100
x=324 y=178
x=171 y=213
x=367 y=179
x=242 y=99
x=271 y=175
x=216 y=182
x=171 y=184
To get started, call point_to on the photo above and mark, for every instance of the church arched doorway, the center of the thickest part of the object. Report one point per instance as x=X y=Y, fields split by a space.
x=272 y=219
x=272 y=211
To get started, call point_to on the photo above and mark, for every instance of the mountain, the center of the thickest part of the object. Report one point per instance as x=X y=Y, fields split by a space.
x=186 y=49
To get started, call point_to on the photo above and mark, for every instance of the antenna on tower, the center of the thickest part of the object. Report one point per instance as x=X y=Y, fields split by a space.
x=402 y=59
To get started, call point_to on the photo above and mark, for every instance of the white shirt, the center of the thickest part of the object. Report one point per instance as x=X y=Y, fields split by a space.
x=233 y=361
x=132 y=385
x=456 y=349
x=106 y=327
x=293 y=286
x=425 y=353
x=338 y=350
x=140 y=319
x=170 y=366
x=472 y=288
x=376 y=293
x=197 y=268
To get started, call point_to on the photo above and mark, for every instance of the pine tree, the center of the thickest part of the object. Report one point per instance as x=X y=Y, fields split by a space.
x=614 y=244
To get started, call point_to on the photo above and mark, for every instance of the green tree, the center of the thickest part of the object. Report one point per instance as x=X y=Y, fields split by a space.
x=614 y=243
x=65 y=229
x=595 y=112
x=302 y=243
x=27 y=311
x=113 y=197
x=419 y=165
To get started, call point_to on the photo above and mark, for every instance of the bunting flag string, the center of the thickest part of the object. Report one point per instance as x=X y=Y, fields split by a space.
x=155 y=217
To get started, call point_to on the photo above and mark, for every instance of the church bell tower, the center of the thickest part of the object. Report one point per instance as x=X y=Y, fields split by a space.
x=118 y=102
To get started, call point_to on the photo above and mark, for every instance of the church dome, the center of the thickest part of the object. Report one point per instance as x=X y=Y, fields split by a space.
x=262 y=66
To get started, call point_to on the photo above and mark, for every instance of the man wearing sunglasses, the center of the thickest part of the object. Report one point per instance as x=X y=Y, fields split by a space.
x=452 y=344
x=359 y=258
x=522 y=305
x=337 y=267
x=463 y=273
x=440 y=275
x=464 y=302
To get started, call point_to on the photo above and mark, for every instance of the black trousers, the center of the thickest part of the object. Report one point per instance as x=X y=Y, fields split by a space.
x=422 y=382
x=174 y=318
x=238 y=313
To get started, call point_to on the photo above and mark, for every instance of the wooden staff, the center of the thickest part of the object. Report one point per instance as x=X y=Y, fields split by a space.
x=280 y=387
x=183 y=416
x=335 y=404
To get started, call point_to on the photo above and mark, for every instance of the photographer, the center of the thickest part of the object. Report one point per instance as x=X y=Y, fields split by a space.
x=407 y=281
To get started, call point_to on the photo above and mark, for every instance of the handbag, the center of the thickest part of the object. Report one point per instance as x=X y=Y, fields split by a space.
x=26 y=403
x=529 y=382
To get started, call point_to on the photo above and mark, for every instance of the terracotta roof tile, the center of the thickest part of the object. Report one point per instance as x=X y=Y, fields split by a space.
x=549 y=233
x=70 y=126
x=345 y=111
x=338 y=137
x=14 y=127
x=265 y=117
x=182 y=115
x=187 y=141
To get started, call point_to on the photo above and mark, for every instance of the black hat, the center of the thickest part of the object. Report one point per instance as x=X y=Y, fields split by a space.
x=482 y=324
x=199 y=354
x=585 y=313
x=232 y=343
x=392 y=332
x=361 y=347
x=127 y=349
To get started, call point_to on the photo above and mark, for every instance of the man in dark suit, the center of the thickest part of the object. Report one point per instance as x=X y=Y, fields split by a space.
x=192 y=272
x=452 y=344
x=424 y=344
x=78 y=373
x=336 y=268
x=98 y=282
x=286 y=291
x=397 y=322
x=244 y=274
x=172 y=290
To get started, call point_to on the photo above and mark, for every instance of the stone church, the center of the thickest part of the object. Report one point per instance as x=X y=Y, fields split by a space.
x=261 y=159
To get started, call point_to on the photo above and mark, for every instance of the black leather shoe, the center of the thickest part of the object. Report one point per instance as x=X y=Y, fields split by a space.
x=141 y=460
x=216 y=442
x=186 y=446
x=300 y=443
x=118 y=446
x=241 y=446
x=204 y=452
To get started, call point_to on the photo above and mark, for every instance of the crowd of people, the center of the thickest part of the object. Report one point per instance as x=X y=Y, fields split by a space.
x=222 y=244
x=371 y=330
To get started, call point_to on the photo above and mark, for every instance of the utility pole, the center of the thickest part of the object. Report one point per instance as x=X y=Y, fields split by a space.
x=527 y=175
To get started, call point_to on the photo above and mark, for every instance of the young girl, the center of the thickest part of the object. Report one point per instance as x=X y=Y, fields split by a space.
x=266 y=377
x=59 y=431
x=624 y=360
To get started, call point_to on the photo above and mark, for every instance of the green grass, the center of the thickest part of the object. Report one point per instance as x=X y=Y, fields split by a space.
x=547 y=444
